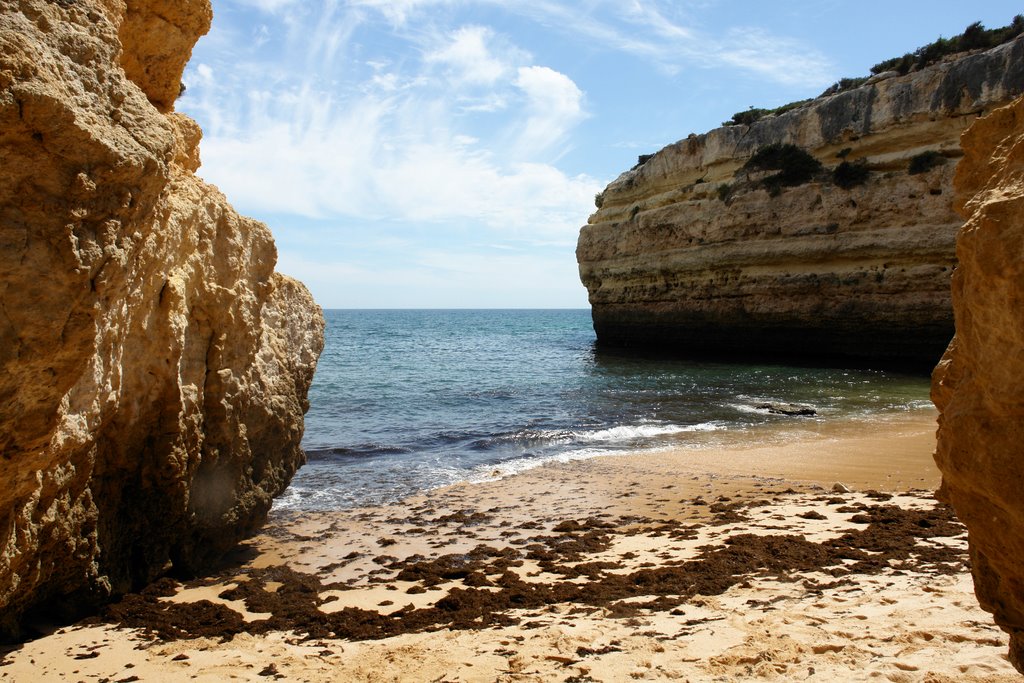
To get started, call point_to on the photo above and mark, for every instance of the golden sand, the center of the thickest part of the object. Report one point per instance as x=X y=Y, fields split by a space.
x=911 y=619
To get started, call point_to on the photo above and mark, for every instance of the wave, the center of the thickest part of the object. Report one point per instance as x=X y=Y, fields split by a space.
x=519 y=441
x=359 y=451
x=646 y=431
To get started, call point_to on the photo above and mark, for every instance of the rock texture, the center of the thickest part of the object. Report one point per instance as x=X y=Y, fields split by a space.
x=977 y=386
x=690 y=252
x=154 y=366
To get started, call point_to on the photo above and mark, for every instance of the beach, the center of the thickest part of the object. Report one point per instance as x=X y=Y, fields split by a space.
x=811 y=551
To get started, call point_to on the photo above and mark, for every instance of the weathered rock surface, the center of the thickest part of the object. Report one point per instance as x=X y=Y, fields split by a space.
x=690 y=253
x=978 y=385
x=154 y=366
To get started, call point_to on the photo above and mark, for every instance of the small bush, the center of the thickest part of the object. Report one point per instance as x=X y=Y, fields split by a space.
x=925 y=161
x=724 y=191
x=753 y=115
x=844 y=152
x=849 y=175
x=844 y=84
x=901 y=65
x=748 y=117
x=599 y=199
x=791 y=106
x=641 y=160
x=794 y=166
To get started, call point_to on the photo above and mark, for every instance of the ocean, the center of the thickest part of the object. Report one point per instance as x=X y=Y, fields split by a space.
x=408 y=400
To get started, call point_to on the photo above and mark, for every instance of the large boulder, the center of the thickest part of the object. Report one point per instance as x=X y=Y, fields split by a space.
x=978 y=384
x=153 y=366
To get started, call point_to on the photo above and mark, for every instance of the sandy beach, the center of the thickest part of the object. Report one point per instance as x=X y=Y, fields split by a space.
x=815 y=551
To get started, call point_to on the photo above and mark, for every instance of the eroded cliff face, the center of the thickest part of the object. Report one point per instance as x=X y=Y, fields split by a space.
x=978 y=385
x=692 y=253
x=154 y=366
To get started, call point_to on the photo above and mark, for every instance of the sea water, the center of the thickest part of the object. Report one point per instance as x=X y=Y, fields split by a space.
x=404 y=401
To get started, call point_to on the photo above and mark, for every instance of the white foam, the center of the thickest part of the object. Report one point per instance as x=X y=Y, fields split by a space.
x=644 y=431
x=509 y=468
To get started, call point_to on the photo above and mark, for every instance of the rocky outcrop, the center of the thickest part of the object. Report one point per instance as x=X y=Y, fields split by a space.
x=154 y=366
x=691 y=252
x=977 y=386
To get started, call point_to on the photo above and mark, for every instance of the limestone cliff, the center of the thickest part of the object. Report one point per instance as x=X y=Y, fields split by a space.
x=977 y=386
x=692 y=252
x=153 y=366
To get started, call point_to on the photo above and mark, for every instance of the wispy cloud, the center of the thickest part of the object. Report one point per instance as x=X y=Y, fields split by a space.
x=782 y=60
x=662 y=32
x=269 y=6
x=425 y=121
x=395 y=145
x=398 y=11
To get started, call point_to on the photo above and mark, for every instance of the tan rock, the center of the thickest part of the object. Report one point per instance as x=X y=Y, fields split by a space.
x=685 y=253
x=154 y=366
x=977 y=386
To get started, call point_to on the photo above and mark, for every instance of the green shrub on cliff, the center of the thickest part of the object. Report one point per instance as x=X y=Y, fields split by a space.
x=974 y=37
x=844 y=84
x=925 y=161
x=848 y=175
x=745 y=118
x=794 y=165
x=753 y=114
x=641 y=160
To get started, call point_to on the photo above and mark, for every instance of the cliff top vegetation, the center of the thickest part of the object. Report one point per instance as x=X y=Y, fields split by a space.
x=974 y=37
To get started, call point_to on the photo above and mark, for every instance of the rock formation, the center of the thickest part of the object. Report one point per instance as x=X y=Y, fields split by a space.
x=692 y=252
x=977 y=386
x=154 y=366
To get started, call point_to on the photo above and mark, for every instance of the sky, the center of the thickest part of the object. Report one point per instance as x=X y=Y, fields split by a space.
x=445 y=153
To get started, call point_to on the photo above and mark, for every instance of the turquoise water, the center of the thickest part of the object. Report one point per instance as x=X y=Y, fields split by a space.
x=404 y=401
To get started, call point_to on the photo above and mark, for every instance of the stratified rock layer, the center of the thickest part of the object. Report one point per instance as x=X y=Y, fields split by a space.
x=978 y=385
x=690 y=253
x=153 y=366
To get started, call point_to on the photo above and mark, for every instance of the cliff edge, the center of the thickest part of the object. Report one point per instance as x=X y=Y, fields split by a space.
x=698 y=251
x=977 y=385
x=154 y=366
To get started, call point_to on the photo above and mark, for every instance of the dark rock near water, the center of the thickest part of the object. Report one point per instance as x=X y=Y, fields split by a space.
x=787 y=409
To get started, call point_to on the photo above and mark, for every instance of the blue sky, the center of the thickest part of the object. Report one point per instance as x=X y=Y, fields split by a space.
x=444 y=153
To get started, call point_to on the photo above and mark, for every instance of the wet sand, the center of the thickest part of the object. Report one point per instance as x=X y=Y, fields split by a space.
x=744 y=559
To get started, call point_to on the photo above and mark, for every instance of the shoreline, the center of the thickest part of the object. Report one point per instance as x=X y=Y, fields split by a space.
x=720 y=562
x=727 y=442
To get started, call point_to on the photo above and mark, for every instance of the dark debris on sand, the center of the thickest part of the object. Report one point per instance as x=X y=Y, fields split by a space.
x=892 y=538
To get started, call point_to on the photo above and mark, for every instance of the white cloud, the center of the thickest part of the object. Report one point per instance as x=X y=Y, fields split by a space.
x=386 y=159
x=647 y=14
x=651 y=29
x=397 y=11
x=395 y=143
x=269 y=6
x=469 y=57
x=399 y=116
x=782 y=60
x=555 y=105
x=204 y=74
